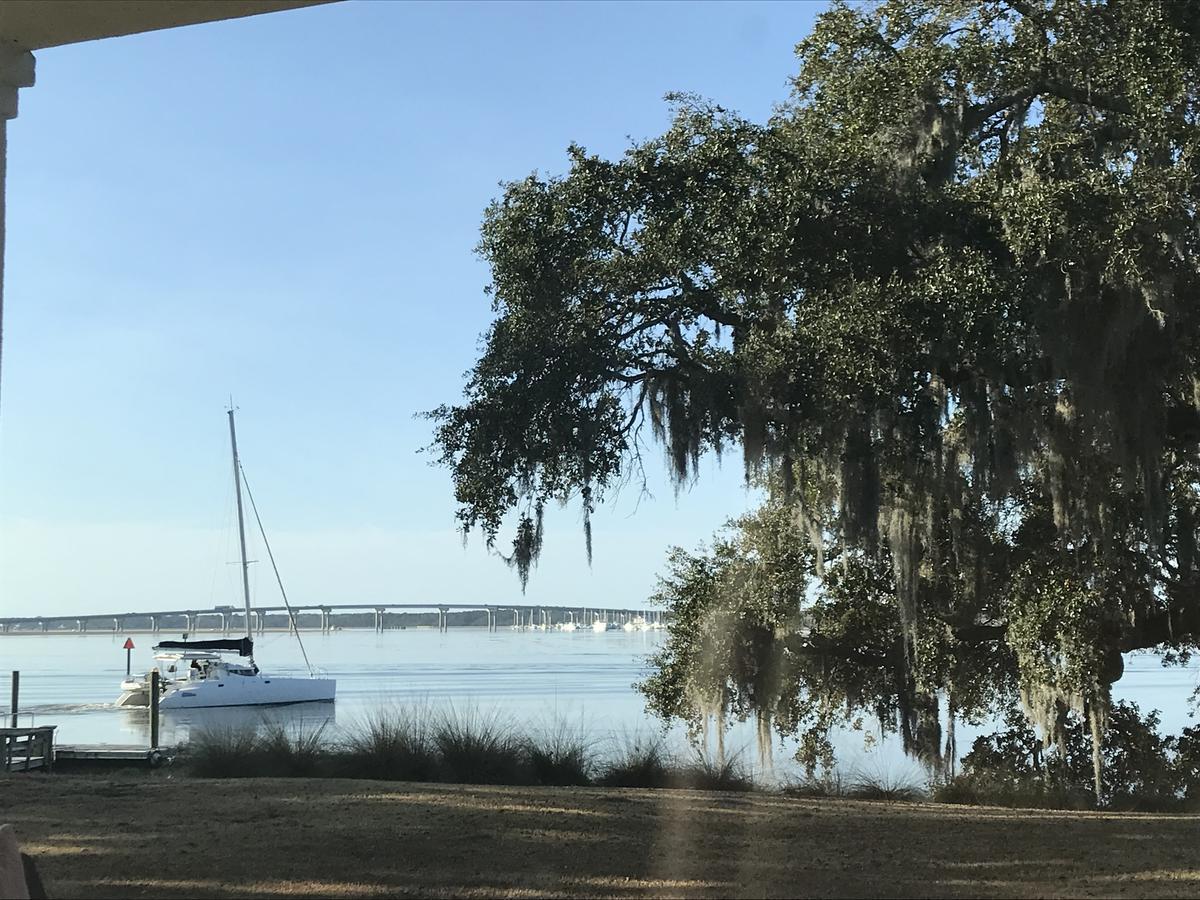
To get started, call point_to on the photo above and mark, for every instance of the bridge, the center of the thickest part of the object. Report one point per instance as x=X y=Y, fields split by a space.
x=221 y=619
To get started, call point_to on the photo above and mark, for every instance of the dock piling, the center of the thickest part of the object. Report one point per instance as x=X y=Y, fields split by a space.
x=154 y=676
x=16 y=693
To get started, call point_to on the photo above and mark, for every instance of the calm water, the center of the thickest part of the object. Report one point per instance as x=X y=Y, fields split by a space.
x=535 y=678
x=583 y=677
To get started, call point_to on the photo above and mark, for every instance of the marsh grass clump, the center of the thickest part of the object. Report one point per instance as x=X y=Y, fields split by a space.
x=288 y=750
x=704 y=773
x=887 y=786
x=478 y=748
x=468 y=746
x=224 y=751
x=268 y=749
x=639 y=761
x=828 y=784
x=391 y=744
x=561 y=756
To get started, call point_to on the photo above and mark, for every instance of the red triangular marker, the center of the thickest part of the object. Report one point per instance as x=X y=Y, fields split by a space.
x=128 y=644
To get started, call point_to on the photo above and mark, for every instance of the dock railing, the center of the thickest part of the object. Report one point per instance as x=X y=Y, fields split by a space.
x=23 y=749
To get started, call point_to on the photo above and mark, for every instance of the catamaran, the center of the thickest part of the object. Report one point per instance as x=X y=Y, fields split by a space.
x=223 y=672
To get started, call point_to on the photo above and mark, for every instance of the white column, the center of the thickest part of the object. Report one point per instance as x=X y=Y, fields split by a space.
x=16 y=71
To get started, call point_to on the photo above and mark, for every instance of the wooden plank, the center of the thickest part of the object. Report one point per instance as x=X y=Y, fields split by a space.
x=107 y=752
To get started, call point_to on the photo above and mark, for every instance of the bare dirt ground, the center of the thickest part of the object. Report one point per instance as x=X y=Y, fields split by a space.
x=181 y=837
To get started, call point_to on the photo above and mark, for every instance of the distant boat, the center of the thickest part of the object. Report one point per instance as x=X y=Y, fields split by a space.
x=205 y=674
x=599 y=625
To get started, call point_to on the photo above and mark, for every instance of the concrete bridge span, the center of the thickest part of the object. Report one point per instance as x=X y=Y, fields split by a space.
x=320 y=617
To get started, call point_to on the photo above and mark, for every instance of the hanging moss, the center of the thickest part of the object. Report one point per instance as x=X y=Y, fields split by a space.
x=942 y=299
x=527 y=544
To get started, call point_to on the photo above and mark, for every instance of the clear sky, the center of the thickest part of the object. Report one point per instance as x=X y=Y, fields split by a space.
x=284 y=208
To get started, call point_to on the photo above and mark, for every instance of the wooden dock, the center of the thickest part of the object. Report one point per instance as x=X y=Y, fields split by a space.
x=111 y=754
x=23 y=749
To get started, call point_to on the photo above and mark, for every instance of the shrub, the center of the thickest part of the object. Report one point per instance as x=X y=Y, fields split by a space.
x=1141 y=768
x=1187 y=765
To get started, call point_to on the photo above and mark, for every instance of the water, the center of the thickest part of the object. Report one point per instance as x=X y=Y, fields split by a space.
x=534 y=678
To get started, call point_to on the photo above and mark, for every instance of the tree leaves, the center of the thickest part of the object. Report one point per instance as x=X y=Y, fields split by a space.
x=944 y=299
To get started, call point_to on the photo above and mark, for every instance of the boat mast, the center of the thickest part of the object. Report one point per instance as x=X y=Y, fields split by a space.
x=237 y=490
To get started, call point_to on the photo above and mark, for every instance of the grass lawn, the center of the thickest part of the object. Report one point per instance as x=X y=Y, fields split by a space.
x=141 y=836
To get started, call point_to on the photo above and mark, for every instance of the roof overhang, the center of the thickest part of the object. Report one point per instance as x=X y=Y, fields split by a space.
x=36 y=24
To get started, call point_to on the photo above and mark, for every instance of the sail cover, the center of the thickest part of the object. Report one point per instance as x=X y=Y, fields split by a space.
x=241 y=646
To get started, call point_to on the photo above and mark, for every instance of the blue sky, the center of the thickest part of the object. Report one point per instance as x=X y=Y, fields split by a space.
x=284 y=208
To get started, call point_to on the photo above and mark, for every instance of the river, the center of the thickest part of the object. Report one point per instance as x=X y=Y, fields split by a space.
x=535 y=679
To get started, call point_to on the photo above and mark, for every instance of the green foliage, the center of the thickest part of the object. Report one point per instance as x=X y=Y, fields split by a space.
x=1142 y=768
x=723 y=655
x=1187 y=763
x=942 y=300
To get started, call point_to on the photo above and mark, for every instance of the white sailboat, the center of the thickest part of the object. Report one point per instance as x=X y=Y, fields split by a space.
x=223 y=672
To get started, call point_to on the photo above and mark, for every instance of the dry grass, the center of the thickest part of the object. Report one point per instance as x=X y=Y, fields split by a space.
x=158 y=836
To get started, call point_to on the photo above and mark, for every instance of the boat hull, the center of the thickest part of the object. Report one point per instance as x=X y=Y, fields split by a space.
x=248 y=690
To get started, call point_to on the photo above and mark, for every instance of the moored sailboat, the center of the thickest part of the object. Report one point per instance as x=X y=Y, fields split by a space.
x=223 y=672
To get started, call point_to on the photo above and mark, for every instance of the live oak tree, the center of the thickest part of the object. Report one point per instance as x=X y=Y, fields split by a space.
x=945 y=301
